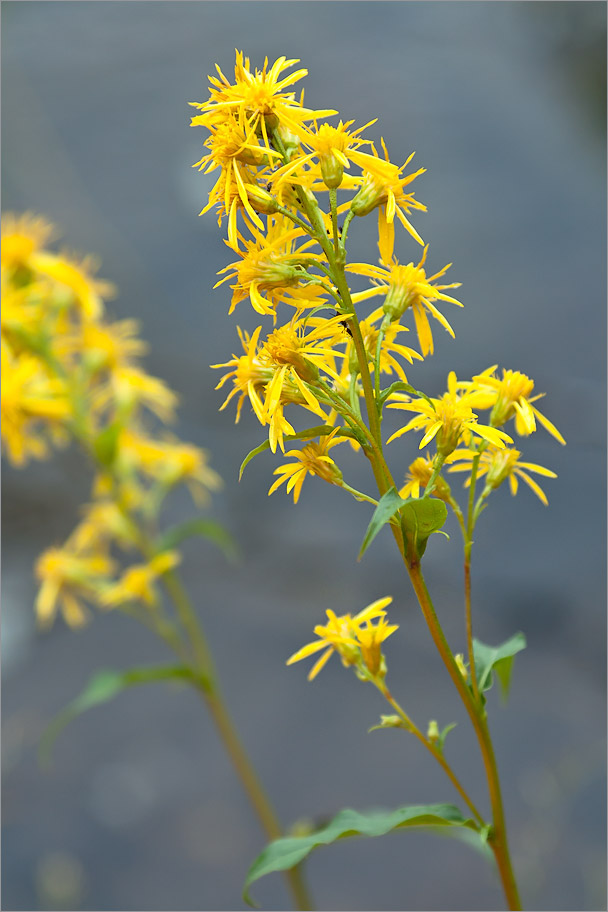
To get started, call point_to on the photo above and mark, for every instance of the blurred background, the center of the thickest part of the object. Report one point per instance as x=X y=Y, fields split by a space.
x=505 y=106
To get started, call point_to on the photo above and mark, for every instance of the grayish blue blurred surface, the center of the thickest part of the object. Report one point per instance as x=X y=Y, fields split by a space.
x=504 y=105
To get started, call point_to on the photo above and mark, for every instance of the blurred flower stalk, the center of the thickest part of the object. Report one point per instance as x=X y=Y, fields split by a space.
x=338 y=366
x=69 y=373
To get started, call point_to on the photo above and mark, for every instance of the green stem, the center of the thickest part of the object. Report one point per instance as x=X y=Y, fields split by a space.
x=467 y=573
x=358 y=495
x=211 y=694
x=432 y=748
x=498 y=837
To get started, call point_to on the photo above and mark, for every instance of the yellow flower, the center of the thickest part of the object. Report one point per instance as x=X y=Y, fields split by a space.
x=498 y=465
x=67 y=577
x=137 y=582
x=270 y=269
x=296 y=359
x=388 y=363
x=311 y=459
x=331 y=147
x=128 y=387
x=168 y=462
x=257 y=100
x=383 y=187
x=350 y=637
x=232 y=149
x=103 y=522
x=409 y=286
x=450 y=419
x=23 y=235
x=77 y=277
x=249 y=375
x=104 y=346
x=510 y=397
x=31 y=403
x=419 y=475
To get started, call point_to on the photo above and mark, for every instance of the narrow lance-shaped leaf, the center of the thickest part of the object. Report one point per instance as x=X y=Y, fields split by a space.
x=204 y=527
x=283 y=854
x=104 y=685
x=498 y=659
x=388 y=505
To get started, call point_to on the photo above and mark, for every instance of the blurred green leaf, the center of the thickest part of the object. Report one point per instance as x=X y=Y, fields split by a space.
x=104 y=685
x=206 y=528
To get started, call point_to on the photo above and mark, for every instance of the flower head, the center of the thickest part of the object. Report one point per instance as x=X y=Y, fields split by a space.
x=499 y=464
x=67 y=577
x=257 y=100
x=449 y=419
x=356 y=640
x=419 y=475
x=409 y=287
x=312 y=459
x=270 y=270
x=383 y=187
x=137 y=582
x=510 y=397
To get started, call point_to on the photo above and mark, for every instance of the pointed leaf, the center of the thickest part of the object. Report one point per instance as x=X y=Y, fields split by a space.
x=104 y=685
x=446 y=731
x=498 y=659
x=206 y=528
x=388 y=505
x=283 y=854
x=422 y=517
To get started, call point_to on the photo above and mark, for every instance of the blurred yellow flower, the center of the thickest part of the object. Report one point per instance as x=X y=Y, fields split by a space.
x=137 y=582
x=67 y=577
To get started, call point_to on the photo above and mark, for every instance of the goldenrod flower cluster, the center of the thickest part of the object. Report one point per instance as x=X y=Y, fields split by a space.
x=70 y=372
x=278 y=161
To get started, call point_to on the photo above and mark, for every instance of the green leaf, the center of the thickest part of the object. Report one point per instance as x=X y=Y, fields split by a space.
x=422 y=517
x=320 y=430
x=445 y=732
x=104 y=685
x=283 y=854
x=388 y=505
x=398 y=387
x=206 y=528
x=498 y=659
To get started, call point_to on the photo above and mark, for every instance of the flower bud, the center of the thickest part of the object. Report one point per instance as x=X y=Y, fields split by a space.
x=432 y=733
x=261 y=200
x=332 y=171
x=462 y=668
x=370 y=196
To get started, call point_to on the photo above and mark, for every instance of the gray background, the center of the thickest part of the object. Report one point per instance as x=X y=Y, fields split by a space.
x=504 y=105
